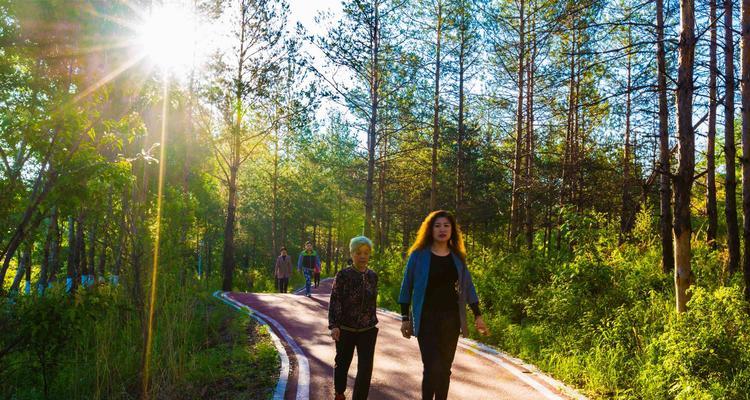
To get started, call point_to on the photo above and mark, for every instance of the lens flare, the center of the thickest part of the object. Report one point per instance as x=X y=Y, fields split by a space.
x=168 y=36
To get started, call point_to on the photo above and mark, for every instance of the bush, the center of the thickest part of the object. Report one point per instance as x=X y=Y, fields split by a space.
x=705 y=352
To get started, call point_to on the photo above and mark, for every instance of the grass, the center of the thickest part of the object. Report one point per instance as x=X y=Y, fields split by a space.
x=90 y=346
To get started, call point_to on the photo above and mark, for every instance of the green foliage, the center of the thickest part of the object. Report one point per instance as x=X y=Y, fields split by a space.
x=704 y=353
x=200 y=344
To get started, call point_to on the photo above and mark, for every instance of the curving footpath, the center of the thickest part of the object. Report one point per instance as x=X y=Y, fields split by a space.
x=299 y=329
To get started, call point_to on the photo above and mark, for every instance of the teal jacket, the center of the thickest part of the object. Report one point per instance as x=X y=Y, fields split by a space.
x=414 y=286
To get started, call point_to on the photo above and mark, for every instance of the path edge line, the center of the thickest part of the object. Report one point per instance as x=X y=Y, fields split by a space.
x=303 y=366
x=509 y=363
x=280 y=389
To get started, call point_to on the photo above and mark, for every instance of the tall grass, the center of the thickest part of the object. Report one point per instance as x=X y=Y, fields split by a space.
x=90 y=345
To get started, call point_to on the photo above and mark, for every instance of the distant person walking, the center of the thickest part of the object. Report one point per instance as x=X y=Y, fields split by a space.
x=306 y=262
x=352 y=319
x=438 y=284
x=316 y=275
x=282 y=270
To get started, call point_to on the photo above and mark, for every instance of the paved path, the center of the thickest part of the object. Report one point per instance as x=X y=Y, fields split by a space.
x=301 y=324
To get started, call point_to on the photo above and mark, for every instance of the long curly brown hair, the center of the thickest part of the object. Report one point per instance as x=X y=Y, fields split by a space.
x=424 y=235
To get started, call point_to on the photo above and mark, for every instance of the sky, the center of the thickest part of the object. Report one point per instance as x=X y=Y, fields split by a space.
x=305 y=11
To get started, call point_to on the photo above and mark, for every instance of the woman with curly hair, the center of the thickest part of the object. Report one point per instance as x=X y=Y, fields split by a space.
x=438 y=286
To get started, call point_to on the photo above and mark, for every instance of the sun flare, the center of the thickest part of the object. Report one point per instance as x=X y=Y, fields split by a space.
x=168 y=36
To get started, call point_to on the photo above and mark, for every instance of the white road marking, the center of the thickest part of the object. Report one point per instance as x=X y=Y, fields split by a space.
x=303 y=373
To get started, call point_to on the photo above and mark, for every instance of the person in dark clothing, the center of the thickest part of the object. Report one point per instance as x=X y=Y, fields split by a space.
x=307 y=262
x=352 y=319
x=282 y=270
x=316 y=275
x=438 y=284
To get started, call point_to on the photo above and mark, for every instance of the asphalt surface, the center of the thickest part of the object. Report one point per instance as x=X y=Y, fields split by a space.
x=477 y=373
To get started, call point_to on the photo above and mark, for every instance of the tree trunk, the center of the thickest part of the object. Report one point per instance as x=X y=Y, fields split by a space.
x=665 y=189
x=745 y=94
x=227 y=260
x=92 y=254
x=461 y=127
x=380 y=217
x=72 y=263
x=49 y=259
x=686 y=165
x=529 y=183
x=54 y=250
x=372 y=129
x=329 y=248
x=628 y=206
x=24 y=265
x=730 y=150
x=275 y=198
x=15 y=242
x=82 y=259
x=436 y=110
x=515 y=207
x=711 y=208
x=566 y=186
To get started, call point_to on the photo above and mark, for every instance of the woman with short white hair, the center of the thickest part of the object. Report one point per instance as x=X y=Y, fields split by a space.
x=352 y=319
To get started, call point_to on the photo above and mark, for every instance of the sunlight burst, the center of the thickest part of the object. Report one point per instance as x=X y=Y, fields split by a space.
x=168 y=37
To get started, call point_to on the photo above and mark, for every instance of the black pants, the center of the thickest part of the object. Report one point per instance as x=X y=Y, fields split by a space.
x=438 y=338
x=316 y=278
x=365 y=344
x=281 y=284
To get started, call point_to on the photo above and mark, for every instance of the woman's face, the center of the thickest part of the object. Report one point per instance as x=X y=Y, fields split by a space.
x=308 y=247
x=283 y=253
x=441 y=230
x=361 y=256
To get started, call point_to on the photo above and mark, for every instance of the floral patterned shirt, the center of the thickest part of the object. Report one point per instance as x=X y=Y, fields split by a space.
x=353 y=300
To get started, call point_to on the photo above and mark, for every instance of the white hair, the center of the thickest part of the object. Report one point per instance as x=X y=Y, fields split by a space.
x=358 y=241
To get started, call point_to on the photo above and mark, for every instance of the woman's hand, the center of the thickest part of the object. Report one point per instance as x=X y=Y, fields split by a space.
x=406 y=329
x=336 y=334
x=481 y=326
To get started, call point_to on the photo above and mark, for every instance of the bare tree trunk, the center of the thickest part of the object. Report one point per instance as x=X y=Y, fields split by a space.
x=24 y=266
x=730 y=150
x=628 y=206
x=72 y=263
x=461 y=127
x=566 y=186
x=380 y=217
x=82 y=255
x=374 y=104
x=686 y=166
x=92 y=254
x=745 y=94
x=51 y=254
x=227 y=260
x=529 y=183
x=329 y=248
x=515 y=207
x=711 y=208
x=275 y=197
x=436 y=109
x=665 y=189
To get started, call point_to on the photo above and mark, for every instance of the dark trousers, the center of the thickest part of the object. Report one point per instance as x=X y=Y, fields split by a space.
x=438 y=338
x=364 y=342
x=281 y=284
x=316 y=278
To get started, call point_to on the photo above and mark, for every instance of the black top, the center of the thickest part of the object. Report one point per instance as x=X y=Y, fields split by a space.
x=353 y=300
x=441 y=294
x=308 y=260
